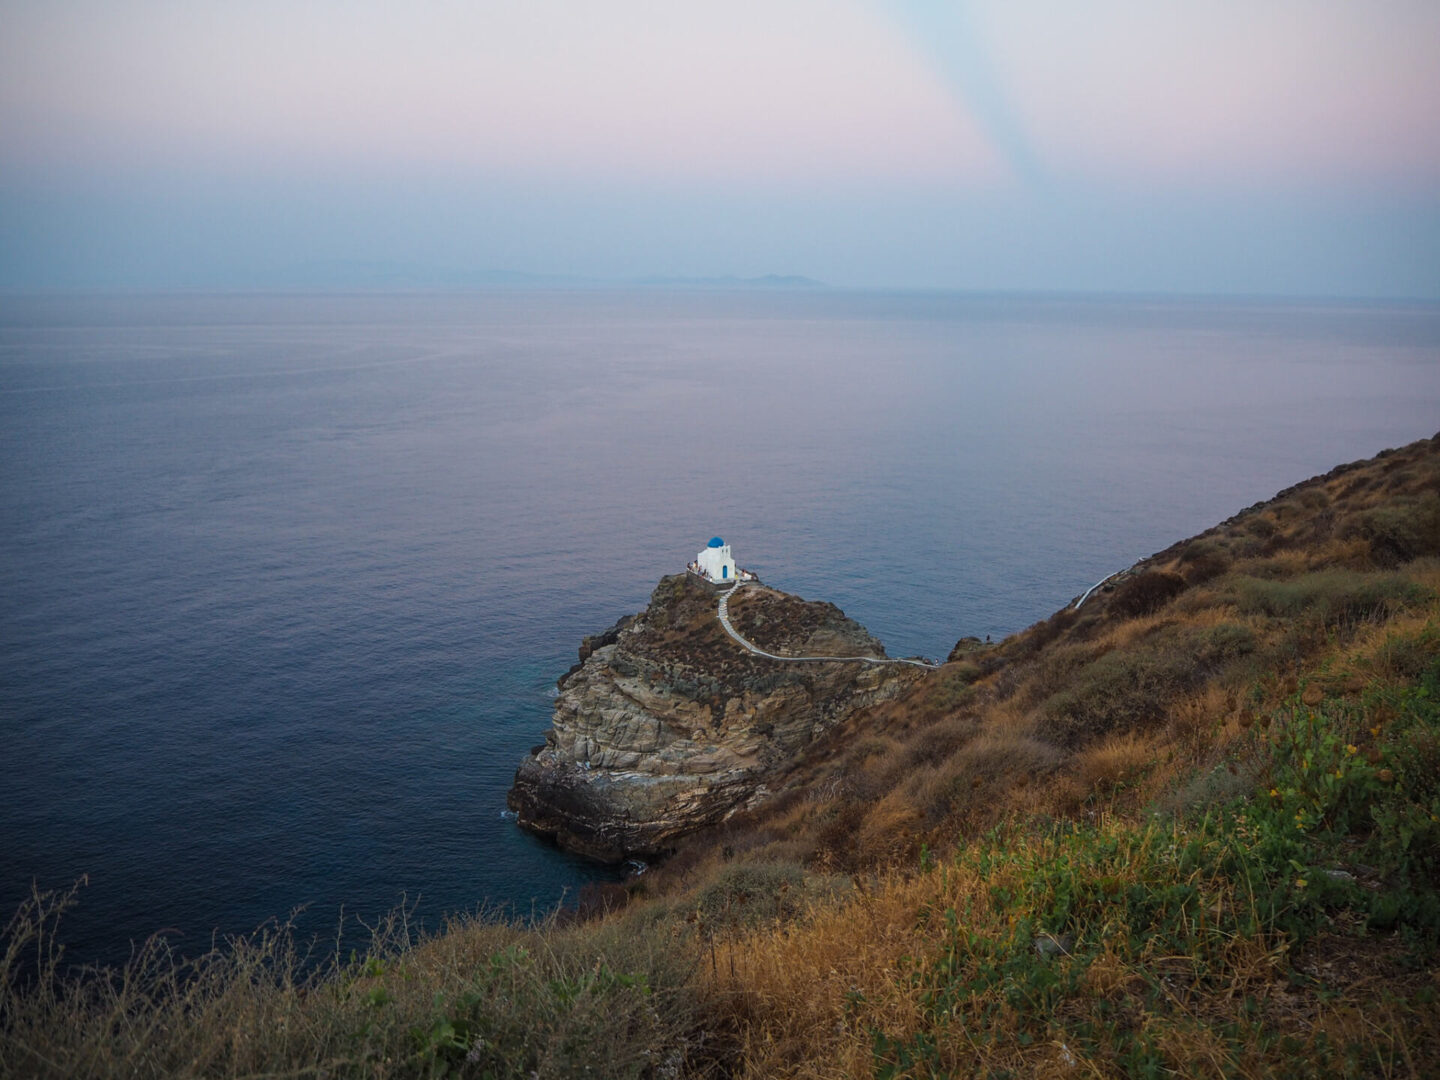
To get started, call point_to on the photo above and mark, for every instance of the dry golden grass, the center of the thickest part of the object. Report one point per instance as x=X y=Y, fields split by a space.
x=1117 y=761
x=791 y=990
x=545 y=1002
x=811 y=1000
x=890 y=830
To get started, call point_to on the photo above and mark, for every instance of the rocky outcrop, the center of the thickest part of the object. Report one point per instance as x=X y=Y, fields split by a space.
x=667 y=725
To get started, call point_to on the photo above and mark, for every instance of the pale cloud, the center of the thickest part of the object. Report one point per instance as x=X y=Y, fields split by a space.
x=748 y=89
x=1228 y=91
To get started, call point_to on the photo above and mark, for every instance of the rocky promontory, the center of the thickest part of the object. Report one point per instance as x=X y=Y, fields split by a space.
x=667 y=725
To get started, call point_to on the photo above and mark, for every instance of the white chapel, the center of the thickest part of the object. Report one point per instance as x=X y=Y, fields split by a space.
x=716 y=562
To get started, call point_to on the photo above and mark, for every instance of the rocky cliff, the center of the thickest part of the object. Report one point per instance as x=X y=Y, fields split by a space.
x=667 y=725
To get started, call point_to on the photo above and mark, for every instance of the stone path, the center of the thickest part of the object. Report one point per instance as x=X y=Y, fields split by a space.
x=1086 y=595
x=725 y=622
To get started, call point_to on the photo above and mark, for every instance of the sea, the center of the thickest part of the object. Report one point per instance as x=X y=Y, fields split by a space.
x=286 y=580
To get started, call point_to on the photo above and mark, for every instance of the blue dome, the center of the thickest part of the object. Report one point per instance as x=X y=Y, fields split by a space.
x=715 y=541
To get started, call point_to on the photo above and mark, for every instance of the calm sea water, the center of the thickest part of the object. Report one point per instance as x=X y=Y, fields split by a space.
x=287 y=580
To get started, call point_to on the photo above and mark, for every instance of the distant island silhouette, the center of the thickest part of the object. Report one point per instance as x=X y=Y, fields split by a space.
x=385 y=274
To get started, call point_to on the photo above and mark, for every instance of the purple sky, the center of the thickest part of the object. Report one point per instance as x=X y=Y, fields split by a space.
x=1269 y=146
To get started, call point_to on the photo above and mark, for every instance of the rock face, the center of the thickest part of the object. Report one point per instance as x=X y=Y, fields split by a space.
x=667 y=725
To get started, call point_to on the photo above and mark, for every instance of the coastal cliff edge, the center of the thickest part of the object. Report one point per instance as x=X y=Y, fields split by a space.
x=667 y=725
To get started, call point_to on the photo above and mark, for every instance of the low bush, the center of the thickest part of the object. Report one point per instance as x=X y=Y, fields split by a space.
x=1403 y=530
x=1097 y=941
x=1359 y=782
x=971 y=783
x=479 y=999
x=1133 y=688
x=1205 y=568
x=1031 y=684
x=1117 y=691
x=1203 y=560
x=1407 y=656
x=596 y=899
x=939 y=740
x=1146 y=593
x=1260 y=526
x=1206 y=790
x=950 y=688
x=1330 y=598
x=1043 y=633
x=752 y=893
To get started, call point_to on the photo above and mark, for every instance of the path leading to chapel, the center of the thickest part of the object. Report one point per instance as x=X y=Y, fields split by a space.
x=724 y=611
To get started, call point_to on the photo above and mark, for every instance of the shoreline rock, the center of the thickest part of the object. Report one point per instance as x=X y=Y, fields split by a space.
x=666 y=726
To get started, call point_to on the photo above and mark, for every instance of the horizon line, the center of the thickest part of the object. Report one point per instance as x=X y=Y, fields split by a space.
x=767 y=283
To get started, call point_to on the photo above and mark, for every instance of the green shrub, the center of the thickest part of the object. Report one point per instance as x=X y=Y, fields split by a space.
x=937 y=741
x=1134 y=688
x=1345 y=781
x=1146 y=593
x=1205 y=568
x=749 y=894
x=1330 y=597
x=950 y=688
x=1119 y=690
x=1202 y=561
x=1408 y=657
x=1207 y=789
x=1043 y=633
x=1260 y=526
x=1403 y=530
x=1217 y=644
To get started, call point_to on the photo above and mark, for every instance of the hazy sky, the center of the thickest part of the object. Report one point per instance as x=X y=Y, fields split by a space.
x=1253 y=146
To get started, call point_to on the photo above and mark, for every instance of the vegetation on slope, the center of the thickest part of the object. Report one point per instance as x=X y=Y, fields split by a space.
x=1191 y=828
x=1289 y=930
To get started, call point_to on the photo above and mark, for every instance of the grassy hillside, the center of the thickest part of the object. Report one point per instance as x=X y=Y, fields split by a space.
x=1142 y=692
x=1189 y=828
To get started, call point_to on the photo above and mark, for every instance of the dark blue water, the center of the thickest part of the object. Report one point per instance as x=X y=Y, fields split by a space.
x=287 y=580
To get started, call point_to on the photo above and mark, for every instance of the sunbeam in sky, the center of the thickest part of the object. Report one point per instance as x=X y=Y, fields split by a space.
x=946 y=33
